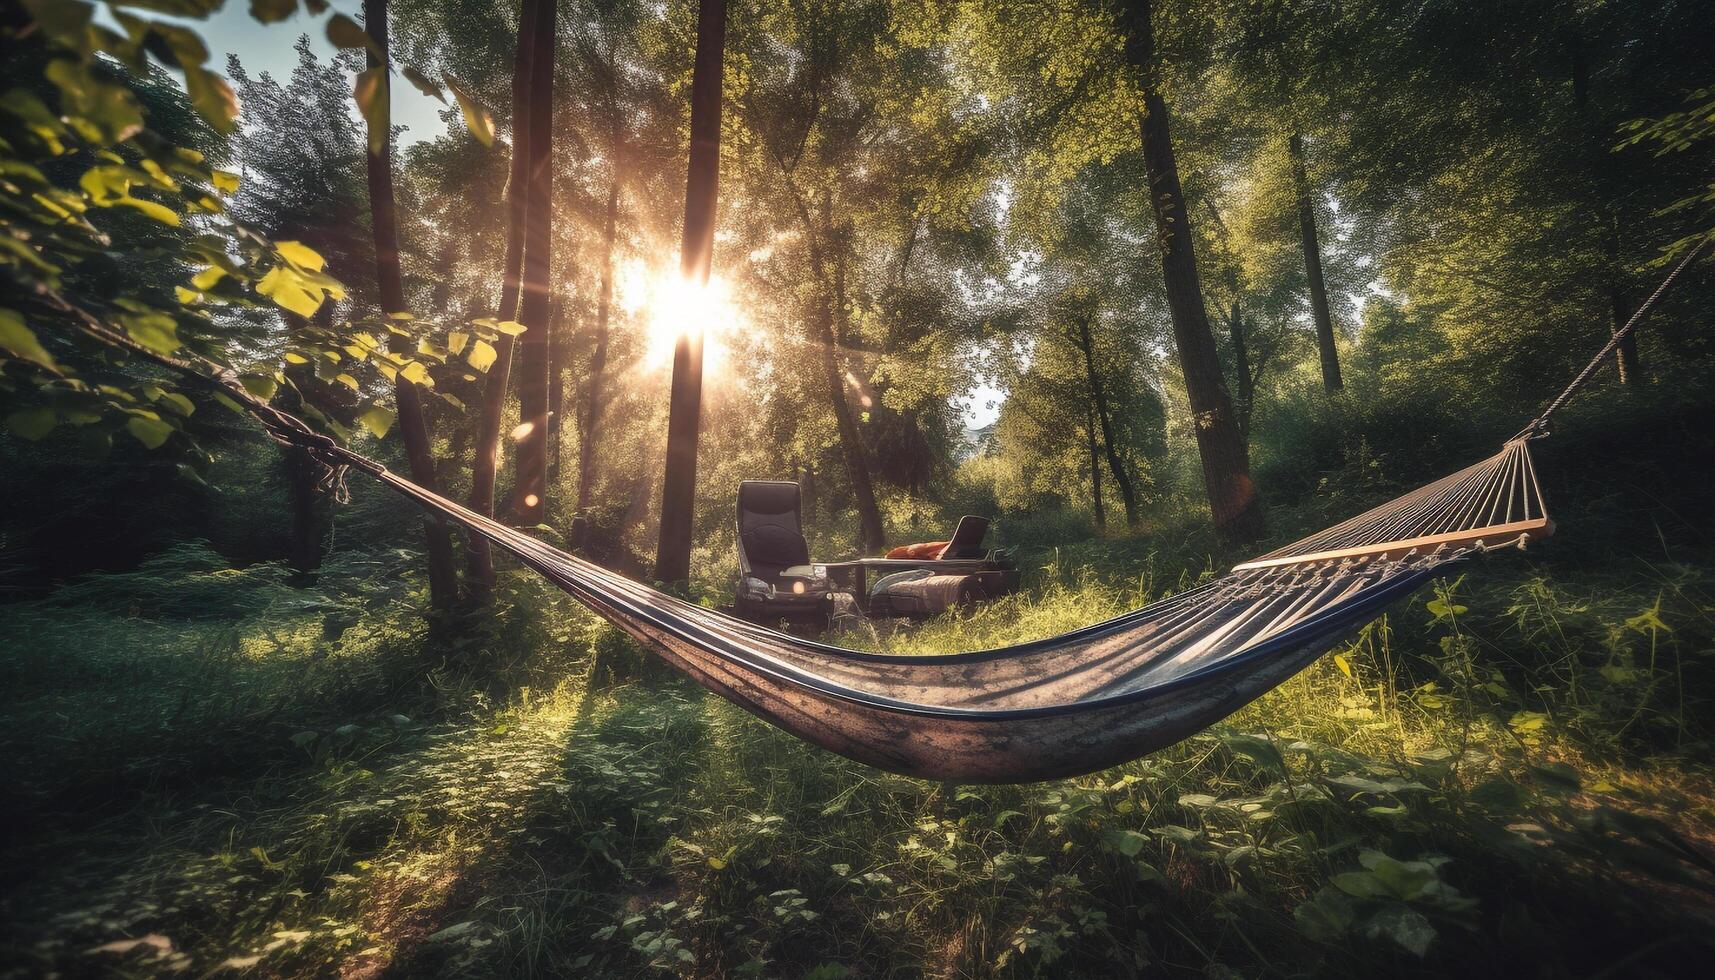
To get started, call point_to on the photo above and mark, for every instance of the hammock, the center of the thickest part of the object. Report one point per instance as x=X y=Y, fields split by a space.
x=1073 y=703
x=1061 y=706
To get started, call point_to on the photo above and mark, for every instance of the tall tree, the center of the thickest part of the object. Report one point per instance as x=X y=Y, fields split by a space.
x=1305 y=193
x=485 y=467
x=696 y=254
x=1233 y=502
x=594 y=394
x=1080 y=334
x=1096 y=506
x=535 y=305
x=302 y=163
x=390 y=289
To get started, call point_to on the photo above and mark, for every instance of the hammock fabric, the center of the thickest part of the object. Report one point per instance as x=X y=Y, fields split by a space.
x=1074 y=703
x=1061 y=706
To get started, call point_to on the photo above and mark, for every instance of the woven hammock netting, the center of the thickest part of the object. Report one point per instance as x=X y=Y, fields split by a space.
x=1073 y=703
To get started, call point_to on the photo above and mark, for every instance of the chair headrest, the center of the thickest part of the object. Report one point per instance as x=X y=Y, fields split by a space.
x=768 y=497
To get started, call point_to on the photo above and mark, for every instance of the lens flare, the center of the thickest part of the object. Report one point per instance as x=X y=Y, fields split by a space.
x=669 y=307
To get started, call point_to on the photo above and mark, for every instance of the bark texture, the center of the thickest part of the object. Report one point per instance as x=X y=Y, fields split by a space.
x=443 y=577
x=594 y=393
x=696 y=249
x=1233 y=503
x=530 y=495
x=1325 y=346
x=485 y=466
x=1099 y=397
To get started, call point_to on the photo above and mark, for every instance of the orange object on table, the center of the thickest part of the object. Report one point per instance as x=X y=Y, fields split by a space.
x=927 y=549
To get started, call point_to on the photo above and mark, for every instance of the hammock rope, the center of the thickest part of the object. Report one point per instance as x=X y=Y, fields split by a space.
x=1048 y=708
x=1538 y=426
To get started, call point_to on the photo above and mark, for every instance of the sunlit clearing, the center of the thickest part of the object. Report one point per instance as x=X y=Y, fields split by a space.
x=524 y=429
x=531 y=499
x=668 y=307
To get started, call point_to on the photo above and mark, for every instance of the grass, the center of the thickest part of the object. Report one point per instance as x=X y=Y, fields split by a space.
x=216 y=771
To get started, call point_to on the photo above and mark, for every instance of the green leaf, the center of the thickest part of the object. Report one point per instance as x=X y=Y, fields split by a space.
x=177 y=402
x=150 y=432
x=272 y=11
x=1649 y=621
x=482 y=356
x=21 y=340
x=156 y=331
x=1361 y=884
x=1405 y=926
x=343 y=32
x=371 y=92
x=1258 y=750
x=300 y=255
x=1407 y=880
x=424 y=84
x=205 y=280
x=1325 y=918
x=285 y=287
x=32 y=423
x=260 y=385
x=160 y=212
x=212 y=98
x=225 y=181
x=453 y=932
x=1128 y=843
x=377 y=420
x=511 y=328
x=417 y=374
x=1442 y=609
x=476 y=118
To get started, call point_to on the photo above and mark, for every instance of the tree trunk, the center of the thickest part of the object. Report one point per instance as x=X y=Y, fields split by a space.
x=873 y=532
x=696 y=248
x=311 y=514
x=557 y=358
x=1242 y=370
x=1233 y=503
x=874 y=536
x=443 y=577
x=1313 y=267
x=1098 y=394
x=1095 y=467
x=594 y=398
x=530 y=492
x=485 y=465
x=1600 y=167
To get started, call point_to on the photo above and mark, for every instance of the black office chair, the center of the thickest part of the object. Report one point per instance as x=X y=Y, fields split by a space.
x=776 y=579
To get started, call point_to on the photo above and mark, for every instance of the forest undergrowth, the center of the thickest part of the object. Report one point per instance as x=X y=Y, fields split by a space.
x=217 y=770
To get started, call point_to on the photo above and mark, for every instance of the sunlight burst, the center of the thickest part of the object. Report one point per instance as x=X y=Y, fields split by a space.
x=668 y=306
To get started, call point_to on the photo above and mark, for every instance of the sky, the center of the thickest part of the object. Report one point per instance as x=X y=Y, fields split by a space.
x=271 y=48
